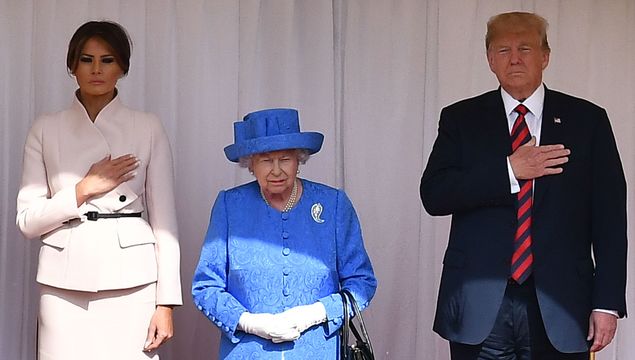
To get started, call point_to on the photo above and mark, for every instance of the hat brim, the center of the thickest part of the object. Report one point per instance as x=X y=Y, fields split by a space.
x=311 y=141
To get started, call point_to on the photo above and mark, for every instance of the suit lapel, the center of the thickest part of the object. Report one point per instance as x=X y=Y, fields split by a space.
x=499 y=129
x=551 y=133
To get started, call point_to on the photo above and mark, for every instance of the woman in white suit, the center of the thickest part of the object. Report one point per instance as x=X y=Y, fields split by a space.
x=92 y=175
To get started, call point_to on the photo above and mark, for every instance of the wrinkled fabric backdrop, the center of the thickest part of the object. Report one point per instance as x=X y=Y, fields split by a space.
x=371 y=75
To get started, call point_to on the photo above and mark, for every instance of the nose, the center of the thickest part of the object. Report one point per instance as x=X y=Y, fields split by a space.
x=96 y=69
x=515 y=56
x=276 y=170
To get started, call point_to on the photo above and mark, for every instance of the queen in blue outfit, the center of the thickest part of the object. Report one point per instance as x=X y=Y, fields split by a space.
x=279 y=249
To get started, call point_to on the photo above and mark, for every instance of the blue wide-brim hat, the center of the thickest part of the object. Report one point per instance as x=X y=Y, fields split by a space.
x=271 y=130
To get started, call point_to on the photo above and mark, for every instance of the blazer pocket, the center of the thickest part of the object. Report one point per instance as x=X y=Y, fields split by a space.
x=58 y=238
x=133 y=232
x=454 y=258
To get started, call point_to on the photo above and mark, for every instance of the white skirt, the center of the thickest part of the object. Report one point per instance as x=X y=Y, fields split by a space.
x=106 y=325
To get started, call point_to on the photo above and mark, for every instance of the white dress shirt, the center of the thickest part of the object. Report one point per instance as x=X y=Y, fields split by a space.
x=533 y=118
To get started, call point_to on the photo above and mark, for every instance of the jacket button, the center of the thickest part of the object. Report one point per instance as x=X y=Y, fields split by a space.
x=122 y=198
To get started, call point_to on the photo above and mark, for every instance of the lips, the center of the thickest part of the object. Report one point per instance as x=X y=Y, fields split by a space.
x=517 y=71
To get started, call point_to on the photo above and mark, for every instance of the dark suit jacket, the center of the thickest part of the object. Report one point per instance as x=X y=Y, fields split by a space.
x=574 y=213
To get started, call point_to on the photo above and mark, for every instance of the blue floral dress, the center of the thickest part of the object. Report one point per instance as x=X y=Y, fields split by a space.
x=258 y=259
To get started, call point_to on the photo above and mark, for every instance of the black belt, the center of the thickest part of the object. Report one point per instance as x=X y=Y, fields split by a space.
x=94 y=215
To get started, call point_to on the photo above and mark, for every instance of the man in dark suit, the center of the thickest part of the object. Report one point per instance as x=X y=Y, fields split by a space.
x=535 y=266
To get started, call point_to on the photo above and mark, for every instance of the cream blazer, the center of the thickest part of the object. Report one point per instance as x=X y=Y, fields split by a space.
x=106 y=254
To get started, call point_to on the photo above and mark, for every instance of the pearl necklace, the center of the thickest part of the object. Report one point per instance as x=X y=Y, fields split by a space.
x=290 y=203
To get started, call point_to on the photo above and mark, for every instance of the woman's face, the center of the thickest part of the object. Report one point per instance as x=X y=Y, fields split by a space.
x=97 y=70
x=275 y=171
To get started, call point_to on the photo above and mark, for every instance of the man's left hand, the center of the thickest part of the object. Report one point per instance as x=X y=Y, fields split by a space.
x=602 y=328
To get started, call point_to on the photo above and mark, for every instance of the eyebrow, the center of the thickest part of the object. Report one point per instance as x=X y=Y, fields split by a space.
x=92 y=56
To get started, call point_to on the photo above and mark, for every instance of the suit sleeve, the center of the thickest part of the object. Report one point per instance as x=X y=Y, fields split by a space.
x=39 y=211
x=162 y=217
x=462 y=173
x=354 y=268
x=209 y=285
x=608 y=221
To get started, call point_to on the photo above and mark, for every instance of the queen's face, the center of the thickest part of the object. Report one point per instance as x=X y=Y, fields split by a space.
x=275 y=171
x=97 y=70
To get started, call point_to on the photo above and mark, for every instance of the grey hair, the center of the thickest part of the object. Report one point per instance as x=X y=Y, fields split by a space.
x=302 y=154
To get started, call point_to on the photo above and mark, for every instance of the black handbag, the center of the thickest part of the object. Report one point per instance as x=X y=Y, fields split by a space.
x=362 y=348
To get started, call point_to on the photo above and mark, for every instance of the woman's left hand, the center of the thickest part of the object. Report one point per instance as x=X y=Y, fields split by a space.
x=305 y=316
x=161 y=328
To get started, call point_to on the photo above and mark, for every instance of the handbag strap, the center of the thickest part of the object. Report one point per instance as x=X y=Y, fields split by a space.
x=362 y=337
x=345 y=329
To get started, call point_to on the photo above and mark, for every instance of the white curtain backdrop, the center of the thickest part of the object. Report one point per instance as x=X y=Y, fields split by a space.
x=372 y=75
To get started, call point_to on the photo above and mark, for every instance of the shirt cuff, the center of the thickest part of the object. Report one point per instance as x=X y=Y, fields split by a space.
x=612 y=312
x=514 y=185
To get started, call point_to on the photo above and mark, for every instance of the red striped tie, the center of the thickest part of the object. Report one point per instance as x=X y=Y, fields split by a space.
x=522 y=258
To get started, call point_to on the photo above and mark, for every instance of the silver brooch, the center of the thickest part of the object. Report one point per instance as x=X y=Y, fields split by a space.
x=316 y=212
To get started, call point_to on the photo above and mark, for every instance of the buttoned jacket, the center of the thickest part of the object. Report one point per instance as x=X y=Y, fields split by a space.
x=258 y=259
x=578 y=219
x=79 y=254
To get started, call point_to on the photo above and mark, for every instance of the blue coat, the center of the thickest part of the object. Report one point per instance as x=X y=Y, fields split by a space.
x=258 y=259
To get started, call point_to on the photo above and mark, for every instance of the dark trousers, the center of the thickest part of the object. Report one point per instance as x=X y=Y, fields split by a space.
x=518 y=333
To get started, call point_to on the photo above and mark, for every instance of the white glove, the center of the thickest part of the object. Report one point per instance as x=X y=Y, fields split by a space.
x=305 y=316
x=268 y=326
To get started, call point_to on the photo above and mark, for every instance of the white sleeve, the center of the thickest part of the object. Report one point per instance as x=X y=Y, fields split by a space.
x=162 y=217
x=39 y=211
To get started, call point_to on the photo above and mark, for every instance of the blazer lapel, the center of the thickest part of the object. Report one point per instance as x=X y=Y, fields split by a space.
x=498 y=129
x=551 y=133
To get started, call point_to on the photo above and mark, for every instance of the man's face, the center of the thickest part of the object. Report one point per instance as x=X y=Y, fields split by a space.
x=518 y=60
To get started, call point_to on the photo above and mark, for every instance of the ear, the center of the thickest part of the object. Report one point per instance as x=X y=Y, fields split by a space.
x=545 y=58
x=490 y=60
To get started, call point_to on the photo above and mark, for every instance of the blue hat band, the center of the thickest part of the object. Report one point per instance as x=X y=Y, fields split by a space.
x=311 y=141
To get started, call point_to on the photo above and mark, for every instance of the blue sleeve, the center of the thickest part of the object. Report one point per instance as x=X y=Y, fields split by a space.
x=209 y=285
x=353 y=264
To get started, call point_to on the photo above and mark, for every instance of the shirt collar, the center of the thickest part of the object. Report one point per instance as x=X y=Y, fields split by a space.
x=534 y=102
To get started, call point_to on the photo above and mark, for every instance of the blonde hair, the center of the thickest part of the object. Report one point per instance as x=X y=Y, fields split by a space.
x=515 y=22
